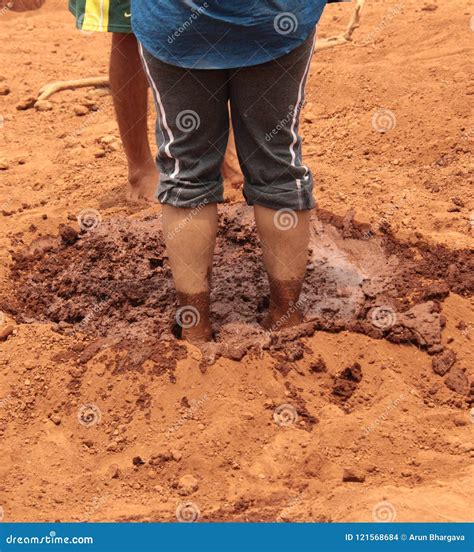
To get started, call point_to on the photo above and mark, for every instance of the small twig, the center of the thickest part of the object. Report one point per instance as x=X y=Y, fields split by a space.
x=346 y=36
x=51 y=88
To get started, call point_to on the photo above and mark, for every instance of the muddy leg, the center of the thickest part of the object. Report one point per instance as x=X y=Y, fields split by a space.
x=285 y=255
x=190 y=236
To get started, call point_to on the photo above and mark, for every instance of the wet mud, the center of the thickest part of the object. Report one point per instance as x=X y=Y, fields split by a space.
x=113 y=284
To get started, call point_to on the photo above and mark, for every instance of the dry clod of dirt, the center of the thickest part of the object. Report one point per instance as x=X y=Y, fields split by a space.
x=68 y=235
x=457 y=381
x=26 y=103
x=346 y=382
x=187 y=485
x=353 y=475
x=113 y=472
x=80 y=110
x=442 y=363
x=6 y=332
x=318 y=366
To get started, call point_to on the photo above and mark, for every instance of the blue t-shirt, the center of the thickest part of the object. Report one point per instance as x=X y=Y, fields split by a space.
x=219 y=34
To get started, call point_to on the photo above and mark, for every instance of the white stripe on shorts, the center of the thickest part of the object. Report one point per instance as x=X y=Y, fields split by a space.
x=167 y=143
x=296 y=114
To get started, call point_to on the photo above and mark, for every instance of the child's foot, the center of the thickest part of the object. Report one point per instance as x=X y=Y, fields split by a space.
x=142 y=184
x=231 y=171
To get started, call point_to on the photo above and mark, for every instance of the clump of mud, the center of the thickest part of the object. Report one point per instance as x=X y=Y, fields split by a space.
x=114 y=282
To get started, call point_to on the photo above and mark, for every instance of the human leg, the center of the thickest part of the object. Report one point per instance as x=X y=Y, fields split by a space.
x=266 y=101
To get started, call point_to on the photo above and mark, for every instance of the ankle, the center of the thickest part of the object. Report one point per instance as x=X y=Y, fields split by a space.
x=136 y=171
x=193 y=316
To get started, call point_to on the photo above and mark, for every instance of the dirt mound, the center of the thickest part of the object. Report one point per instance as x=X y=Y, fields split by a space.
x=113 y=281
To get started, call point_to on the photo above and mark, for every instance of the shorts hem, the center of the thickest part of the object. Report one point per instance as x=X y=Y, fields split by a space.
x=204 y=194
x=294 y=199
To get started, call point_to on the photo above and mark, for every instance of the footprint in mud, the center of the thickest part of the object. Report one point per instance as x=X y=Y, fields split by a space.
x=115 y=281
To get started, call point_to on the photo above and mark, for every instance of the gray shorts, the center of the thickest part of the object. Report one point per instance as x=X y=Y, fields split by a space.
x=192 y=130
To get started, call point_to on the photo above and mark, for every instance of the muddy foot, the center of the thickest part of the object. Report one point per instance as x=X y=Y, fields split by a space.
x=198 y=335
x=193 y=317
x=279 y=320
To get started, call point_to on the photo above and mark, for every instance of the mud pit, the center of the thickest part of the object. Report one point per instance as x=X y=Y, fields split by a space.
x=113 y=281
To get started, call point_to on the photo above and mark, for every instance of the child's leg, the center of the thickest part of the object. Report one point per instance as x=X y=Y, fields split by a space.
x=231 y=168
x=192 y=132
x=265 y=102
x=130 y=93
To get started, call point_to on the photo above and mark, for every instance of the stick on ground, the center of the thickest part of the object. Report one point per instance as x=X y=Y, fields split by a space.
x=346 y=36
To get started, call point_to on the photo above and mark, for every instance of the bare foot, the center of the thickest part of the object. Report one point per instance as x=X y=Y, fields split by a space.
x=142 y=184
